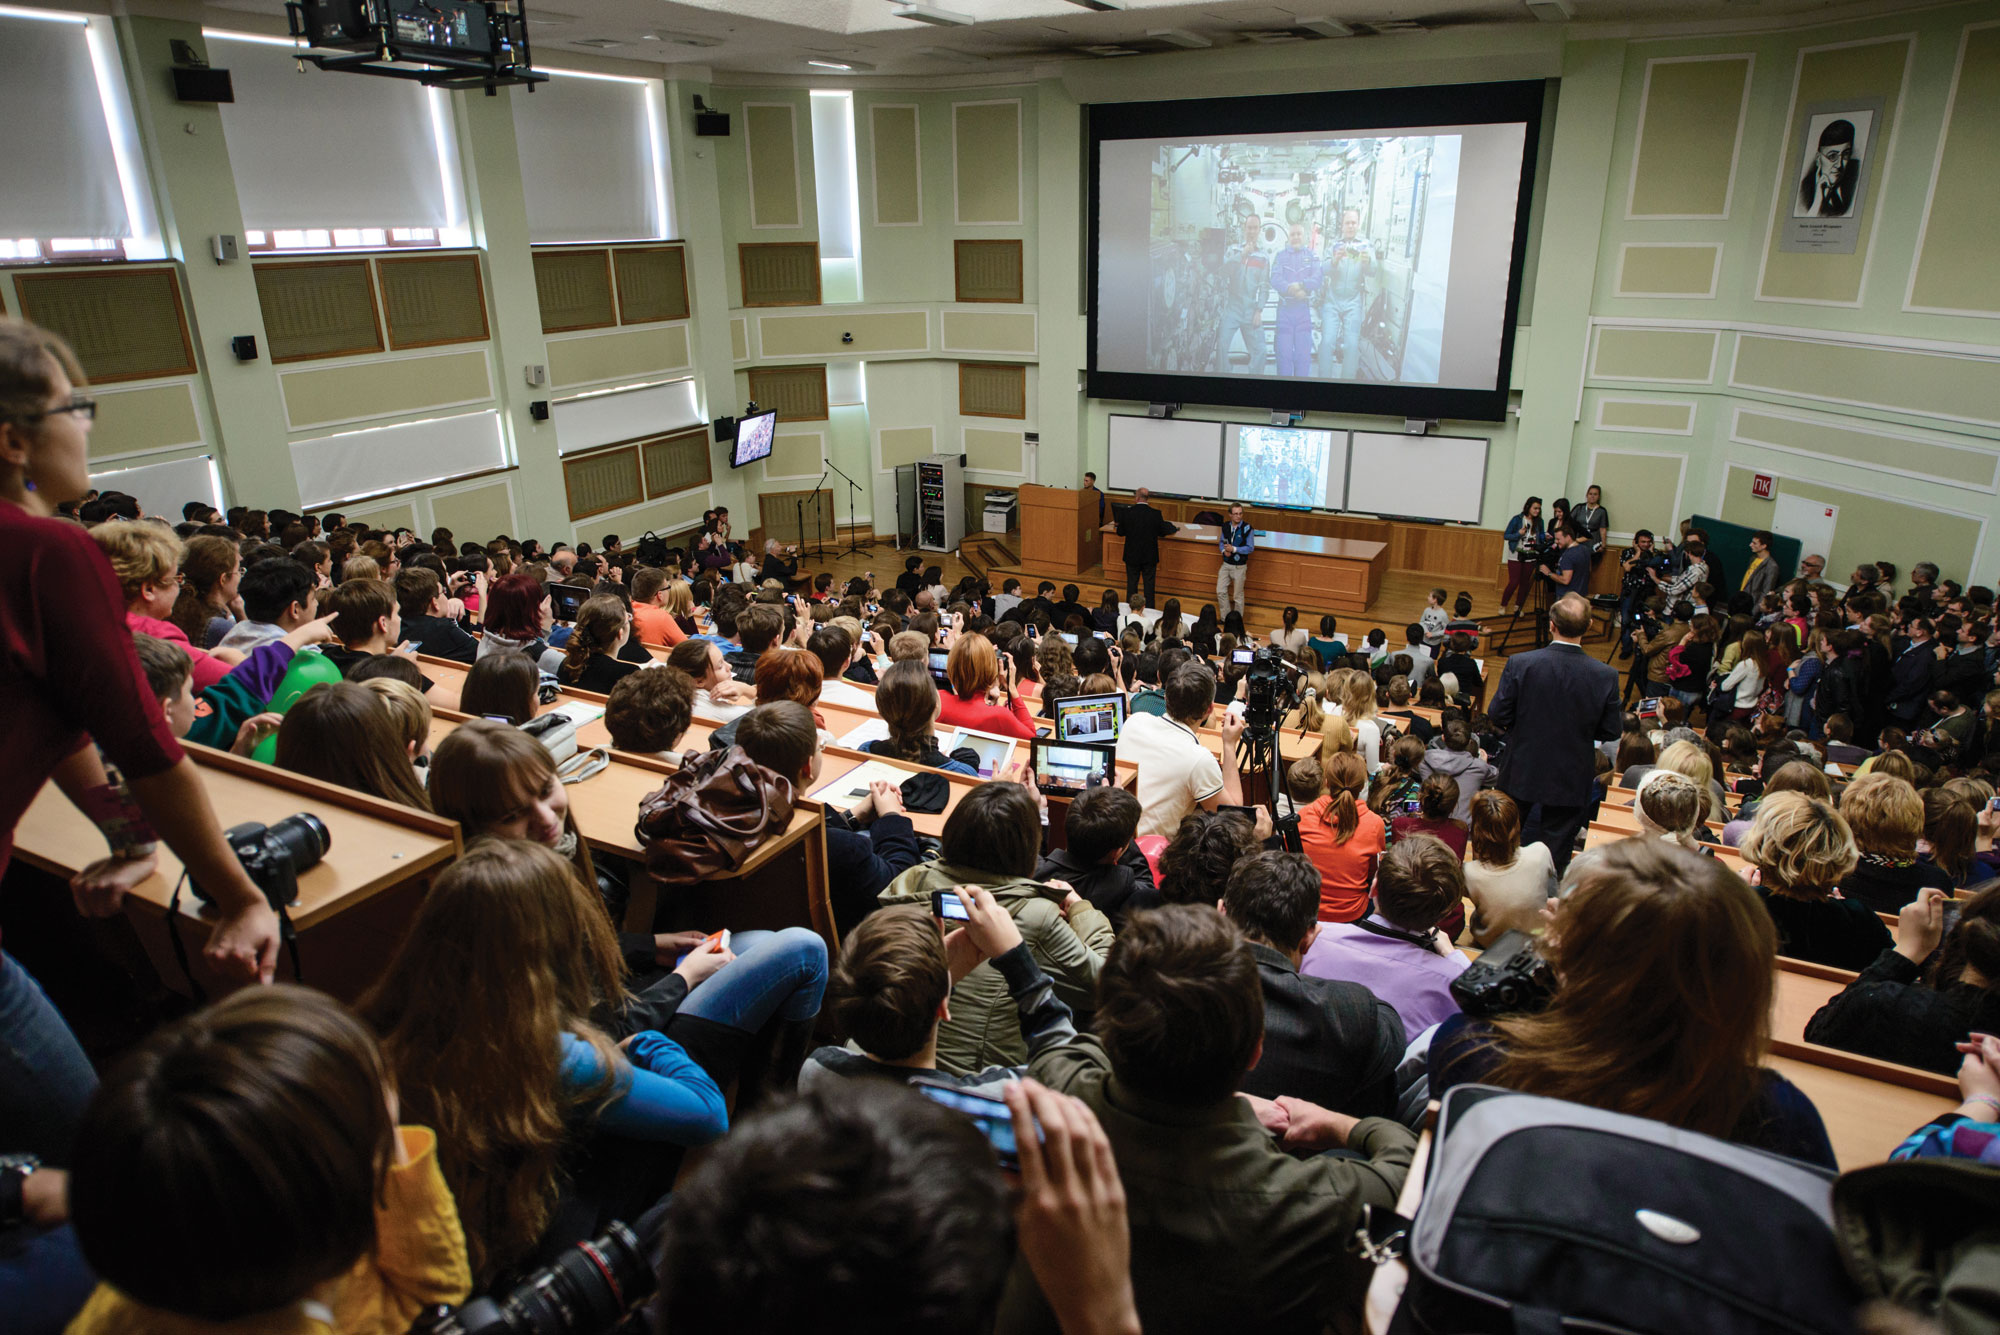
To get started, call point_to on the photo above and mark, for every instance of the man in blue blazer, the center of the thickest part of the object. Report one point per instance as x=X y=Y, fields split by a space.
x=1556 y=704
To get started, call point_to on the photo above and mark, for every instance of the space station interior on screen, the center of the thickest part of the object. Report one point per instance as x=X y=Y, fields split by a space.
x=1323 y=259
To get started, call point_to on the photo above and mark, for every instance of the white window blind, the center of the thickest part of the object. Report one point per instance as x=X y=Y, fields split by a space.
x=354 y=464
x=833 y=175
x=627 y=414
x=61 y=168
x=326 y=149
x=163 y=489
x=590 y=166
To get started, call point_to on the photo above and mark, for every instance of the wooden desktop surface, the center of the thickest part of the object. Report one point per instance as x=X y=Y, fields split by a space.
x=1336 y=574
x=1299 y=544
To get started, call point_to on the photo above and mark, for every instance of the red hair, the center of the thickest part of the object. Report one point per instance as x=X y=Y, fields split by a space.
x=514 y=607
x=789 y=674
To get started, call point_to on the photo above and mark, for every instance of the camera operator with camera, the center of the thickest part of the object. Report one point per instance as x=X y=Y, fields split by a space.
x=1638 y=567
x=1643 y=941
x=1566 y=564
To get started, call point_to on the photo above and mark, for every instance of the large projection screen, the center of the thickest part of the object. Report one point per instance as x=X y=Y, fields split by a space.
x=1347 y=252
x=1417 y=477
x=1173 y=458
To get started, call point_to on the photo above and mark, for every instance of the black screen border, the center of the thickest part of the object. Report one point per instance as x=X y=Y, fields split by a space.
x=1516 y=101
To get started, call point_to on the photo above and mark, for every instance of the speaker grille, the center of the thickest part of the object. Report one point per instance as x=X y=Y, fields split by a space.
x=779 y=273
x=317 y=308
x=599 y=482
x=433 y=299
x=987 y=270
x=677 y=462
x=990 y=389
x=123 y=324
x=574 y=289
x=798 y=393
x=652 y=284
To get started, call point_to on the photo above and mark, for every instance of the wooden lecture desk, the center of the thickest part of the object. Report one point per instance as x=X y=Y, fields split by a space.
x=351 y=910
x=1340 y=574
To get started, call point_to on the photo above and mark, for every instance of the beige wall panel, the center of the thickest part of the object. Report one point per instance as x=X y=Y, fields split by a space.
x=1925 y=384
x=660 y=517
x=1955 y=269
x=1640 y=490
x=819 y=335
x=1668 y=271
x=770 y=139
x=906 y=445
x=1688 y=134
x=402 y=514
x=1654 y=354
x=899 y=180
x=993 y=451
x=739 y=339
x=986 y=161
x=797 y=455
x=1669 y=419
x=157 y=417
x=477 y=514
x=987 y=331
x=1874 y=70
x=384 y=389
x=631 y=352
x=1869 y=449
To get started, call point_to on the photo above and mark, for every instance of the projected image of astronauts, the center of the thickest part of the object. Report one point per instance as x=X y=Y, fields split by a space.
x=1272 y=469
x=1322 y=259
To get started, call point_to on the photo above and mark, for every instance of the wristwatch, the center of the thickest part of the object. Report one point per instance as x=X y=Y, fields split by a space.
x=15 y=1170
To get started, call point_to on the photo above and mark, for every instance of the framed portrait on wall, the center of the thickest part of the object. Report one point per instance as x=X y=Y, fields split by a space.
x=1833 y=159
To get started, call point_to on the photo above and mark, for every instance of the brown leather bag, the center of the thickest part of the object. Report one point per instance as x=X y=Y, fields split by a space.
x=711 y=815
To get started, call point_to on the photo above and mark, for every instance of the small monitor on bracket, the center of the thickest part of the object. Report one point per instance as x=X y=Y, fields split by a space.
x=753 y=439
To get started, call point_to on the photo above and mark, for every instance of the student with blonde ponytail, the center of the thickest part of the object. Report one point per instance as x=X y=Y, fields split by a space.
x=1343 y=838
x=1357 y=706
x=590 y=659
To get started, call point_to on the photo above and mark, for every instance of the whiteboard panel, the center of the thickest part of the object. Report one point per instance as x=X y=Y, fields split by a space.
x=591 y=420
x=1417 y=477
x=1293 y=466
x=1177 y=458
x=163 y=489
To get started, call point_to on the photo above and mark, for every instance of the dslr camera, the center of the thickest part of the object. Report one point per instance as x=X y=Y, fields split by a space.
x=273 y=856
x=590 y=1288
x=1509 y=978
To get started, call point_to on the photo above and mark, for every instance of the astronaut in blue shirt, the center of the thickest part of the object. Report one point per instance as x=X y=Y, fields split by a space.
x=1296 y=274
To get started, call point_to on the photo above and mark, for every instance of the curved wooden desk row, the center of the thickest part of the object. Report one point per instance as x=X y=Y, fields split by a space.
x=352 y=907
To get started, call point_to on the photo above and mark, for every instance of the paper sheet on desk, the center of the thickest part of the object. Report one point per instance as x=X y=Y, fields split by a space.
x=851 y=788
x=874 y=730
x=579 y=712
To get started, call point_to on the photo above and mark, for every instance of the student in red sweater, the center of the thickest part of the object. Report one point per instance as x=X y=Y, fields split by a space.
x=982 y=694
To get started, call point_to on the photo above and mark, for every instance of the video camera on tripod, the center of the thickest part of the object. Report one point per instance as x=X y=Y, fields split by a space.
x=1267 y=688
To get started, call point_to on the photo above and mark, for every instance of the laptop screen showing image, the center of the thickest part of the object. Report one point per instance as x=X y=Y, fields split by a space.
x=1061 y=768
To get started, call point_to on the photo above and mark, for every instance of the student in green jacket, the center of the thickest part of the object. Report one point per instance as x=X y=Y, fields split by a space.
x=229 y=714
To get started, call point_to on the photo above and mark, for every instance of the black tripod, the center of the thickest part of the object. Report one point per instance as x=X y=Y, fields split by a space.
x=1259 y=749
x=819 y=521
x=1540 y=631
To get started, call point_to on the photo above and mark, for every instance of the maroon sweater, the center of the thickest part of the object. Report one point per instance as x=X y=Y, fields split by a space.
x=68 y=671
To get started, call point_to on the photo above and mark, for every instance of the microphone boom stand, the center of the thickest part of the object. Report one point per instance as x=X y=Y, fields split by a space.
x=854 y=546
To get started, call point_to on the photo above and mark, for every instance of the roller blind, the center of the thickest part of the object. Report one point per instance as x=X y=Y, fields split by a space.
x=587 y=164
x=321 y=149
x=369 y=462
x=63 y=174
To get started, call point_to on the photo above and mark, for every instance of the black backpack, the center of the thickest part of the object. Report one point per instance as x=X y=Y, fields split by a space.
x=651 y=550
x=1541 y=1217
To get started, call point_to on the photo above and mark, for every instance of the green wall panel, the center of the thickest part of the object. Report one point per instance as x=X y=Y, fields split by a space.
x=1640 y=490
x=1668 y=270
x=795 y=456
x=384 y=388
x=1871 y=527
x=632 y=352
x=1955 y=269
x=1687 y=137
x=770 y=137
x=898 y=167
x=1672 y=419
x=476 y=514
x=156 y=417
x=987 y=331
x=1624 y=353
x=1924 y=384
x=906 y=445
x=993 y=451
x=986 y=145
x=1869 y=449
x=820 y=335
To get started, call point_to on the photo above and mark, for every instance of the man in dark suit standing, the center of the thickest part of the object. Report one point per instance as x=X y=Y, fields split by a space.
x=1910 y=674
x=1556 y=705
x=1142 y=527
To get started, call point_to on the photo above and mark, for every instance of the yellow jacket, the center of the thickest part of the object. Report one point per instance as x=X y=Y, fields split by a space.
x=419 y=1260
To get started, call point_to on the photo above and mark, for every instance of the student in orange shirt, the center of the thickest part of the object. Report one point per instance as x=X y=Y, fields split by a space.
x=651 y=617
x=1344 y=839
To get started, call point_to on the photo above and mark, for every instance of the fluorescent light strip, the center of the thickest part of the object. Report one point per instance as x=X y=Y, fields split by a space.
x=46 y=16
x=589 y=74
x=257 y=38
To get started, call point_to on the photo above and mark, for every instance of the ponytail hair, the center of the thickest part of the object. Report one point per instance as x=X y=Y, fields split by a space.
x=1291 y=617
x=599 y=623
x=1346 y=775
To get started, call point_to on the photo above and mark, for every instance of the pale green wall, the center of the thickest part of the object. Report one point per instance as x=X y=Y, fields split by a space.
x=1580 y=232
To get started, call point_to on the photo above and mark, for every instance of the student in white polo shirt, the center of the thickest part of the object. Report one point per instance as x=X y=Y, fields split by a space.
x=1177 y=773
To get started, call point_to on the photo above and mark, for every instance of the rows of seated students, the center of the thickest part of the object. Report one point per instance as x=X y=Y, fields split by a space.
x=1195 y=1015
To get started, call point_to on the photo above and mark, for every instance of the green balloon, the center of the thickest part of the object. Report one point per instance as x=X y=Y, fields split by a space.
x=309 y=668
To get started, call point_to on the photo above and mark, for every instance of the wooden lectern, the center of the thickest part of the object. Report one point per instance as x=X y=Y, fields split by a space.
x=1059 y=528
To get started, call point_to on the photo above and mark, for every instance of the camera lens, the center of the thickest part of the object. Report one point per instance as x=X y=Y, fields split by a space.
x=586 y=1289
x=304 y=838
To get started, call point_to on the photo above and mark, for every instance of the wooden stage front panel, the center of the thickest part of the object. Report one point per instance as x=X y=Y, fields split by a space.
x=1339 y=574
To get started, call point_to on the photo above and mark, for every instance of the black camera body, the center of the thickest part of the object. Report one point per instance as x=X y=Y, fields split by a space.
x=1267 y=689
x=273 y=856
x=1509 y=978
x=587 y=1289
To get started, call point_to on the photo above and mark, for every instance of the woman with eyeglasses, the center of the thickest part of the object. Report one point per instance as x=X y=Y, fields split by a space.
x=71 y=676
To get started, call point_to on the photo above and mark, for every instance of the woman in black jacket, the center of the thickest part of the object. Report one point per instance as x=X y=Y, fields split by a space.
x=1900 y=1011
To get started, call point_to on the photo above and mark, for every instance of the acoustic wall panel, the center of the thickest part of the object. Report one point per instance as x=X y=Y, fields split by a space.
x=627 y=354
x=595 y=483
x=1669 y=269
x=986 y=162
x=317 y=308
x=476 y=514
x=770 y=142
x=1923 y=384
x=652 y=283
x=431 y=300
x=987 y=271
x=798 y=393
x=779 y=273
x=151 y=417
x=991 y=451
x=574 y=290
x=123 y=323
x=1954 y=273
x=897 y=158
x=677 y=462
x=1677 y=356
x=828 y=335
x=991 y=389
x=1691 y=117
x=358 y=391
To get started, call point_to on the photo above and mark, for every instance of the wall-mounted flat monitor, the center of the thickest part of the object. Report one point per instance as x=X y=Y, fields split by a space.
x=753 y=439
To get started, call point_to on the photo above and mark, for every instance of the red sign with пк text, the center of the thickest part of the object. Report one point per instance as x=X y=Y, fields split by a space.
x=1760 y=486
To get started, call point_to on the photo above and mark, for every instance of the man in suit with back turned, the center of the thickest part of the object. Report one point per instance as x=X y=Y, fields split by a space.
x=1556 y=705
x=1142 y=527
